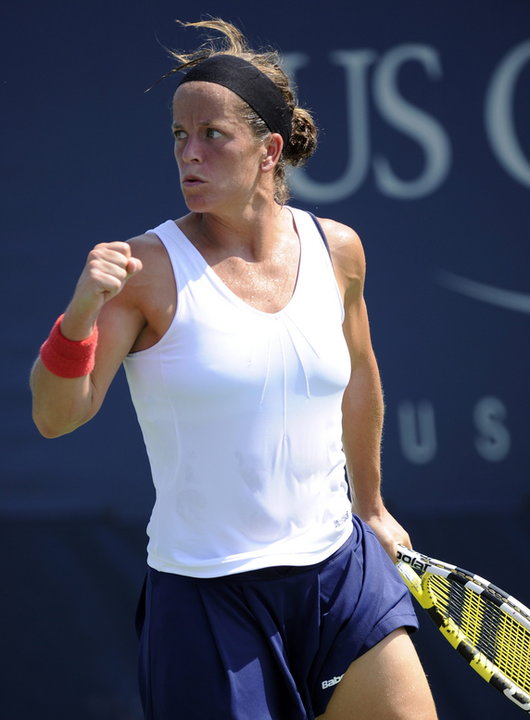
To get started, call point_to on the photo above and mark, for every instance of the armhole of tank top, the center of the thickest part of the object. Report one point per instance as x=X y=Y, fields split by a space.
x=166 y=240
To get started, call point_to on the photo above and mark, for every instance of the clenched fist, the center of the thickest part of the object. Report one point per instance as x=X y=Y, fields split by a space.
x=109 y=266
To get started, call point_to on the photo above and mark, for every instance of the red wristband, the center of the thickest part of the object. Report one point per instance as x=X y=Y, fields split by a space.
x=68 y=358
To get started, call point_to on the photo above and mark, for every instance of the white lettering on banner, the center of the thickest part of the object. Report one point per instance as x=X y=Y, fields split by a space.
x=493 y=442
x=498 y=114
x=417 y=431
x=355 y=63
x=418 y=437
x=399 y=113
x=500 y=297
x=411 y=121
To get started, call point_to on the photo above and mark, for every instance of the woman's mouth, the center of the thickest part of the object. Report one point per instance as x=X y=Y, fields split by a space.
x=191 y=181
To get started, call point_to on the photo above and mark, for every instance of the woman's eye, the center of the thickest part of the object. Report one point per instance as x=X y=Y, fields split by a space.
x=213 y=133
x=179 y=134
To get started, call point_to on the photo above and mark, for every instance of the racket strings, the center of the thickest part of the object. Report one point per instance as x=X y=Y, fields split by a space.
x=504 y=641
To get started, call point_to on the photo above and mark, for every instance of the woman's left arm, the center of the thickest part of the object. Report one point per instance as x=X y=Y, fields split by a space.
x=363 y=405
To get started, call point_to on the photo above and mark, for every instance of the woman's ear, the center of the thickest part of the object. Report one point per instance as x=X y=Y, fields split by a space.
x=272 y=151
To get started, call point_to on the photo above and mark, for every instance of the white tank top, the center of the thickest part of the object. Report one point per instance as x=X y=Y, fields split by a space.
x=240 y=412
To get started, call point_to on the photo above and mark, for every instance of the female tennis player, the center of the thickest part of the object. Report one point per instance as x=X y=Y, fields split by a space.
x=248 y=356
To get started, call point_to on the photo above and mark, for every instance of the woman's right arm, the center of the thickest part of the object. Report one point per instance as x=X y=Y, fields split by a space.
x=62 y=404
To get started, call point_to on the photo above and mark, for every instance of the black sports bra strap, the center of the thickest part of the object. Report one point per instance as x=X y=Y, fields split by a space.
x=322 y=233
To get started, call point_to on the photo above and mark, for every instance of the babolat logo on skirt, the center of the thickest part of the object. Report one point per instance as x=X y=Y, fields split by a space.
x=330 y=683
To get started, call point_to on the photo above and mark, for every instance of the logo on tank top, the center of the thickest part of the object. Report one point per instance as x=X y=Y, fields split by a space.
x=342 y=519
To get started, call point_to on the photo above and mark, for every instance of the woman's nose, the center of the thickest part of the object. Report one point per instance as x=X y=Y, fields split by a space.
x=191 y=151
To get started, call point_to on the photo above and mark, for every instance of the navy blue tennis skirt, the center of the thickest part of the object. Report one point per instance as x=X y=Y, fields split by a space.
x=269 y=644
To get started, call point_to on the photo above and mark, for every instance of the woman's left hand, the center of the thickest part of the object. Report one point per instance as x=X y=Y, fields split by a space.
x=389 y=532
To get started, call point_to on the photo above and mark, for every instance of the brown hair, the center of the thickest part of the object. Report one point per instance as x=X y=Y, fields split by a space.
x=303 y=141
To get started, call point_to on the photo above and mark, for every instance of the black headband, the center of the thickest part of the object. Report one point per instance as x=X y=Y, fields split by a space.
x=252 y=86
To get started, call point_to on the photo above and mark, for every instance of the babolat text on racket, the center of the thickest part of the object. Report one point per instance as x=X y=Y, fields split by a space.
x=488 y=627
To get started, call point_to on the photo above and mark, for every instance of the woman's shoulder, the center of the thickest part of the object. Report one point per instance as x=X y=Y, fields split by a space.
x=151 y=292
x=339 y=234
x=151 y=241
x=149 y=248
x=346 y=248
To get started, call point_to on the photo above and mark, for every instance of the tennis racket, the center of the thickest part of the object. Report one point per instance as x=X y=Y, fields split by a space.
x=488 y=627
